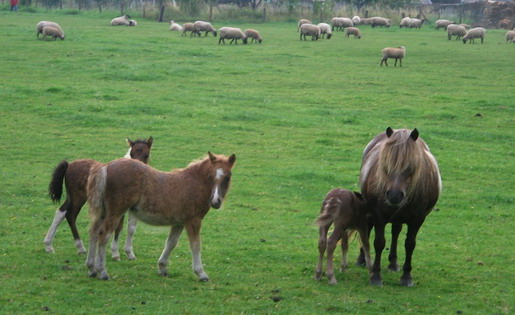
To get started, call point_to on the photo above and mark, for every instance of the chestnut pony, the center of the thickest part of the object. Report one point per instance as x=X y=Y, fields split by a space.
x=401 y=182
x=75 y=176
x=180 y=199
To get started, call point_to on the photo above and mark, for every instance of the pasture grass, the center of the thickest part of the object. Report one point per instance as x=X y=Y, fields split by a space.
x=297 y=114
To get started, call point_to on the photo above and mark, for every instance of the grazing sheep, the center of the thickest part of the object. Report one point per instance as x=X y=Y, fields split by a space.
x=379 y=22
x=415 y=23
x=52 y=31
x=356 y=20
x=442 y=24
x=510 y=36
x=175 y=27
x=353 y=31
x=256 y=37
x=188 y=27
x=466 y=26
x=455 y=30
x=404 y=22
x=201 y=26
x=309 y=30
x=474 y=33
x=348 y=211
x=325 y=29
x=366 y=21
x=397 y=53
x=122 y=20
x=339 y=23
x=41 y=24
x=302 y=21
x=133 y=23
x=232 y=33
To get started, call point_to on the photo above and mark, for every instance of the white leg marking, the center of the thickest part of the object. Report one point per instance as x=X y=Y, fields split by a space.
x=131 y=229
x=115 y=254
x=58 y=218
x=80 y=246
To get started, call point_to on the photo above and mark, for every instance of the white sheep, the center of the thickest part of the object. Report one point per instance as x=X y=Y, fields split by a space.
x=379 y=22
x=510 y=36
x=41 y=24
x=325 y=29
x=474 y=33
x=256 y=37
x=201 y=26
x=442 y=24
x=309 y=30
x=339 y=23
x=404 y=22
x=188 y=27
x=466 y=26
x=396 y=53
x=455 y=30
x=52 y=31
x=122 y=20
x=233 y=34
x=353 y=31
x=415 y=23
x=302 y=21
x=133 y=23
x=356 y=20
x=366 y=21
x=175 y=27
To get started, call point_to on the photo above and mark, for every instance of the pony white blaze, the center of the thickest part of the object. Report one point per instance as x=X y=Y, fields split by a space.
x=219 y=173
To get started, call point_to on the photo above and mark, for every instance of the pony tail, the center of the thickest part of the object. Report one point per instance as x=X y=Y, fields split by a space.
x=326 y=217
x=96 y=191
x=55 y=188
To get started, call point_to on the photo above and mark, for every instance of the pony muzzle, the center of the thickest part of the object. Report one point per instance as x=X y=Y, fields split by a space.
x=395 y=197
x=216 y=199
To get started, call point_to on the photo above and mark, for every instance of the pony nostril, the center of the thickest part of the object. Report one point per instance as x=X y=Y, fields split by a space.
x=394 y=197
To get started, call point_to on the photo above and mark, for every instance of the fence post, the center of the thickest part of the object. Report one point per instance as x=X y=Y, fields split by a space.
x=264 y=13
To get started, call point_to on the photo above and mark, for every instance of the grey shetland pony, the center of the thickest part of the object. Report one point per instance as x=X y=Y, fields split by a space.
x=74 y=175
x=401 y=182
x=180 y=199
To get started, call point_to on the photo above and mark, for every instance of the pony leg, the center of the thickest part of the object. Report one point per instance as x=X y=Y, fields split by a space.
x=322 y=245
x=71 y=217
x=379 y=243
x=361 y=261
x=131 y=230
x=409 y=245
x=331 y=246
x=93 y=242
x=193 y=230
x=105 y=231
x=345 y=250
x=115 y=254
x=365 y=245
x=58 y=219
x=171 y=242
x=392 y=257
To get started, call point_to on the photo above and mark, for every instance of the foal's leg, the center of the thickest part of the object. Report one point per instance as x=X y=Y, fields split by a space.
x=365 y=245
x=93 y=242
x=171 y=242
x=345 y=250
x=409 y=245
x=131 y=229
x=193 y=230
x=361 y=261
x=107 y=227
x=379 y=242
x=115 y=254
x=392 y=257
x=322 y=245
x=331 y=246
x=60 y=214
x=71 y=216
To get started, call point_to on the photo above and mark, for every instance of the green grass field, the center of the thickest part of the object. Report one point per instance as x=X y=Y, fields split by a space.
x=298 y=116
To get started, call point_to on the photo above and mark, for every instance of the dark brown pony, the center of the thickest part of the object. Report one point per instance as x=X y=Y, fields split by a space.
x=75 y=176
x=401 y=182
x=180 y=199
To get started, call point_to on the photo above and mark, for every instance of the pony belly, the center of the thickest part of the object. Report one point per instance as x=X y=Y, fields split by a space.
x=153 y=218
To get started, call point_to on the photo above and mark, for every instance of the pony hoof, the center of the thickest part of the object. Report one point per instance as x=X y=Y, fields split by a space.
x=116 y=258
x=407 y=283
x=332 y=282
x=376 y=282
x=318 y=275
x=50 y=250
x=92 y=274
x=104 y=276
x=393 y=267
x=163 y=273
x=204 y=279
x=131 y=257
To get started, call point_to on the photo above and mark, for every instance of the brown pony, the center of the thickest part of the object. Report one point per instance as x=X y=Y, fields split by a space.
x=401 y=182
x=75 y=176
x=180 y=199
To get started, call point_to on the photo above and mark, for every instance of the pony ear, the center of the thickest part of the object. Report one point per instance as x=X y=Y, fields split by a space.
x=130 y=142
x=389 y=132
x=414 y=134
x=150 y=141
x=211 y=157
x=232 y=159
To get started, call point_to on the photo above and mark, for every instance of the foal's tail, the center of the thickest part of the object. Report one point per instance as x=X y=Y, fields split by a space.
x=96 y=191
x=55 y=188
x=326 y=217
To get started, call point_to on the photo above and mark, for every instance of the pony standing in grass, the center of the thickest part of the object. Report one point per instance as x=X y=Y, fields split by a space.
x=401 y=182
x=180 y=199
x=75 y=176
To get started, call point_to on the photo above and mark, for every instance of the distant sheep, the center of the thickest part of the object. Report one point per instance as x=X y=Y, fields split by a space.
x=366 y=21
x=41 y=24
x=466 y=26
x=339 y=23
x=122 y=20
x=395 y=53
x=474 y=33
x=404 y=22
x=309 y=30
x=510 y=36
x=301 y=22
x=415 y=23
x=325 y=29
x=201 y=26
x=379 y=22
x=232 y=33
x=52 y=31
x=188 y=27
x=356 y=20
x=353 y=31
x=455 y=30
x=133 y=23
x=442 y=24
x=256 y=37
x=175 y=27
